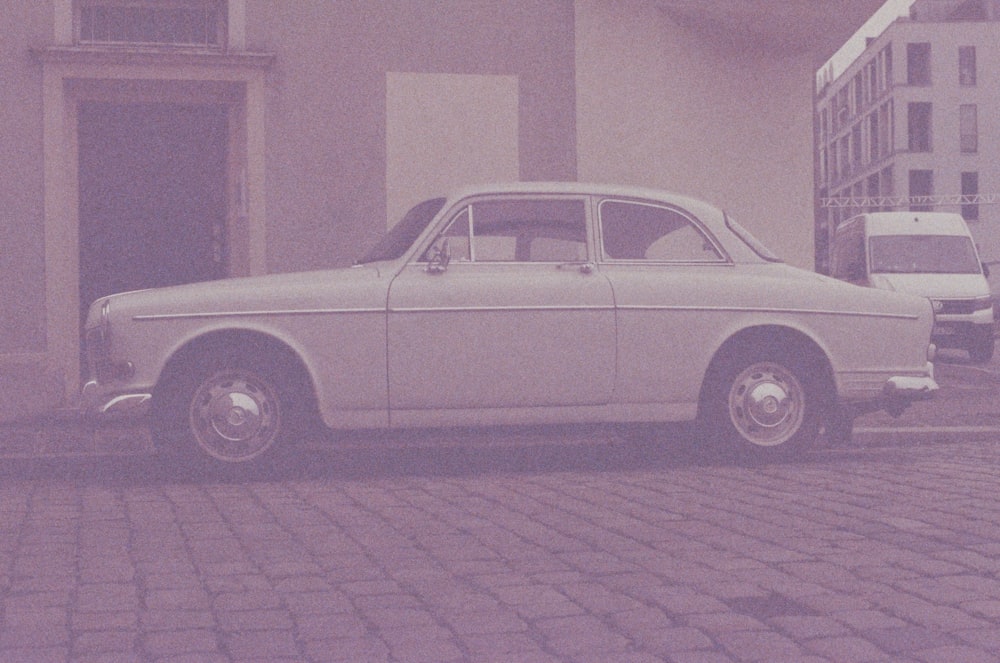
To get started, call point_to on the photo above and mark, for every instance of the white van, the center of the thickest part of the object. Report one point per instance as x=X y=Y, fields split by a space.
x=924 y=253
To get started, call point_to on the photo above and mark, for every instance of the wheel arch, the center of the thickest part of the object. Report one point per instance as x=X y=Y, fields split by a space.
x=772 y=337
x=248 y=343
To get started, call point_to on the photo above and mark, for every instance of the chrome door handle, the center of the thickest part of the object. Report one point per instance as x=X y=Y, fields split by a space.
x=583 y=267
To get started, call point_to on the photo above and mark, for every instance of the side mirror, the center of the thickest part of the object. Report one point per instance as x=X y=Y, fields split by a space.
x=986 y=270
x=440 y=258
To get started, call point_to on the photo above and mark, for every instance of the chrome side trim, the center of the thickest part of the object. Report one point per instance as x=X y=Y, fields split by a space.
x=252 y=314
x=454 y=309
x=755 y=309
x=487 y=309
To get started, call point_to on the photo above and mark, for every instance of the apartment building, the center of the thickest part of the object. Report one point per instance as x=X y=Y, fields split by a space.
x=913 y=123
x=153 y=142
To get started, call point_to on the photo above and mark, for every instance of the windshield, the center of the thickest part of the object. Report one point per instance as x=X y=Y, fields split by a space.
x=404 y=233
x=923 y=254
x=751 y=241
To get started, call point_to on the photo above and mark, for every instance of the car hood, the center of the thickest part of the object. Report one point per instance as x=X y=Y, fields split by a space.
x=954 y=286
x=341 y=288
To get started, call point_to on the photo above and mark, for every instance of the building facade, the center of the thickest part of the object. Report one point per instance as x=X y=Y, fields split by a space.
x=913 y=123
x=153 y=142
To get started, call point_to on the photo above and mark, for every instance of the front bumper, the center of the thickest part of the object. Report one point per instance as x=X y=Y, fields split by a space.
x=96 y=402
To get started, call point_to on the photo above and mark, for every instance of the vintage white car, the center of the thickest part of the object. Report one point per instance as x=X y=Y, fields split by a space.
x=516 y=304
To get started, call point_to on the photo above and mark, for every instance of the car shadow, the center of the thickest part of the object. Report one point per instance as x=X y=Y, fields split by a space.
x=462 y=453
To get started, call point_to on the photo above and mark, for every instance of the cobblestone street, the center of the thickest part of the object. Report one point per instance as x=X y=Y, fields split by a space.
x=507 y=545
x=515 y=549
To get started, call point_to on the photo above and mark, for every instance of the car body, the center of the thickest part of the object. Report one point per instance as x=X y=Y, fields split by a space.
x=522 y=303
x=923 y=253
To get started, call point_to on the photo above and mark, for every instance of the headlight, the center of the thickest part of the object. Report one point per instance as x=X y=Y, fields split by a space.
x=982 y=303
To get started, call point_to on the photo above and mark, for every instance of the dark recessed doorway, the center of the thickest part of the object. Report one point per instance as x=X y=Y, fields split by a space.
x=152 y=195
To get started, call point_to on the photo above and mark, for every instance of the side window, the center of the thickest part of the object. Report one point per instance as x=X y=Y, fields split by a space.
x=636 y=231
x=849 y=256
x=517 y=230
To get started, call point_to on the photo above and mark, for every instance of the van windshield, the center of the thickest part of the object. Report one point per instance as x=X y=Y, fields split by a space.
x=923 y=254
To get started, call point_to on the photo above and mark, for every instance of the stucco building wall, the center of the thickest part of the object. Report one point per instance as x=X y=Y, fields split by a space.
x=331 y=110
x=660 y=105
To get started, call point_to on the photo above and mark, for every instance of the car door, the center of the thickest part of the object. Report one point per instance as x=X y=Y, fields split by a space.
x=515 y=316
x=675 y=290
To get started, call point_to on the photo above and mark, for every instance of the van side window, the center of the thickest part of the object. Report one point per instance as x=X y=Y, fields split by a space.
x=849 y=257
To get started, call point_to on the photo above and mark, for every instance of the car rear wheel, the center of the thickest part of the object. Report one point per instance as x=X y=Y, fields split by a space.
x=227 y=412
x=763 y=403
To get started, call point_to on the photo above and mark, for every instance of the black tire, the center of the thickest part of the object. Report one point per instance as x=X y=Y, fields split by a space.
x=764 y=402
x=226 y=413
x=838 y=427
x=981 y=350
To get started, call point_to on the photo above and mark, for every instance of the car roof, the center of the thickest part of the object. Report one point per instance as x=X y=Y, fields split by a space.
x=590 y=189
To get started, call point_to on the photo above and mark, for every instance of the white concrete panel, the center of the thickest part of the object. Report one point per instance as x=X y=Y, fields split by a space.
x=445 y=131
x=658 y=105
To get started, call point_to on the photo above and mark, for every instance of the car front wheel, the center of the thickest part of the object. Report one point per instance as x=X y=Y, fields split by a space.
x=763 y=403
x=228 y=413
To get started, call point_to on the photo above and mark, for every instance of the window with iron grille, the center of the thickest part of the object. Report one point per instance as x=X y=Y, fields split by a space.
x=186 y=23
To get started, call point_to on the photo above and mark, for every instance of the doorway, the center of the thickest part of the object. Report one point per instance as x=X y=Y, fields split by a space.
x=153 y=204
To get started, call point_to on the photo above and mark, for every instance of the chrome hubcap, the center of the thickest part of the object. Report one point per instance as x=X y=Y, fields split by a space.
x=234 y=417
x=766 y=404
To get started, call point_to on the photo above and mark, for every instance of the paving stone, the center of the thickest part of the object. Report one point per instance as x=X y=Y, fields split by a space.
x=880 y=554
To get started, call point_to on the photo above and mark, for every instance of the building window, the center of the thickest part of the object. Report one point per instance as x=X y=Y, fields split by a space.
x=921 y=185
x=188 y=23
x=886 y=186
x=967 y=65
x=918 y=64
x=970 y=187
x=886 y=70
x=871 y=71
x=919 y=126
x=885 y=134
x=874 y=134
x=968 y=127
x=856 y=147
x=873 y=190
x=845 y=157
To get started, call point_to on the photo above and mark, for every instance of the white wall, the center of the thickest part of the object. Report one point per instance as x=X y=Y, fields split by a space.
x=660 y=106
x=444 y=131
